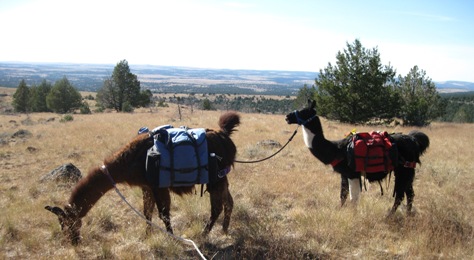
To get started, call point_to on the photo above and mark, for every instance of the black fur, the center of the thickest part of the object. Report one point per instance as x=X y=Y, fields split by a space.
x=410 y=148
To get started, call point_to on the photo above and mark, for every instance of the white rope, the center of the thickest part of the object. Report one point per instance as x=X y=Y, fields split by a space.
x=189 y=241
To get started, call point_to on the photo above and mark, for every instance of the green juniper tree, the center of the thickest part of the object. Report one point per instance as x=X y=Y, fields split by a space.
x=358 y=88
x=421 y=102
x=21 y=98
x=303 y=95
x=145 y=98
x=38 y=96
x=63 y=97
x=206 y=104
x=122 y=90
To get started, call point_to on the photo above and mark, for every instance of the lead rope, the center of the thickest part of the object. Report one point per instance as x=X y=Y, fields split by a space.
x=283 y=147
x=189 y=241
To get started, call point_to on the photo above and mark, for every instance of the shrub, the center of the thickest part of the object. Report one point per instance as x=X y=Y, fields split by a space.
x=66 y=118
x=85 y=108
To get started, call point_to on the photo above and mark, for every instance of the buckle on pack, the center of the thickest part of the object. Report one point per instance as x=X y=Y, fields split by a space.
x=408 y=164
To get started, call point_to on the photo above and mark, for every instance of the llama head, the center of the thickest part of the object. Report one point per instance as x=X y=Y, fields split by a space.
x=304 y=115
x=70 y=223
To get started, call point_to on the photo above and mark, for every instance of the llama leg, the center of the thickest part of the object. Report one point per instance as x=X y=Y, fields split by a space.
x=409 y=191
x=163 y=202
x=344 y=189
x=148 y=207
x=410 y=197
x=395 y=206
x=354 y=190
x=228 y=206
x=216 y=209
x=401 y=181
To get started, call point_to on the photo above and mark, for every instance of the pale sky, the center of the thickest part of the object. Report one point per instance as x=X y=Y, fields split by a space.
x=296 y=35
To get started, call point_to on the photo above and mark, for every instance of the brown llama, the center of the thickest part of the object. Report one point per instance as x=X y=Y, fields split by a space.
x=127 y=165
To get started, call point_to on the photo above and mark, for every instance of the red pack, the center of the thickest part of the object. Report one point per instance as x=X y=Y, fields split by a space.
x=371 y=152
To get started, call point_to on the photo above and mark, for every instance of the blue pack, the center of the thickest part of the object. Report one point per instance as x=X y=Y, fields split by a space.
x=179 y=157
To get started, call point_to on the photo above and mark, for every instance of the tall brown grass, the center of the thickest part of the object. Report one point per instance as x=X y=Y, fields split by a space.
x=285 y=208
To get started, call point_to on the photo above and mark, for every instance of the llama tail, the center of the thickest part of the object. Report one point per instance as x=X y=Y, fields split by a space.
x=422 y=140
x=228 y=122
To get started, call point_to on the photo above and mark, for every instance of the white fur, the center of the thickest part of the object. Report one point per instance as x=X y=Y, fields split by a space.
x=354 y=184
x=308 y=137
x=354 y=190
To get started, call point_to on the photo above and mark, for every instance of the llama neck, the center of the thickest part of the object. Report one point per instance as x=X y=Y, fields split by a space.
x=313 y=133
x=308 y=137
x=325 y=150
x=89 y=190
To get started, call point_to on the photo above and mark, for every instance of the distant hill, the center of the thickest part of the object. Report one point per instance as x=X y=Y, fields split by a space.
x=167 y=79
x=454 y=86
x=90 y=77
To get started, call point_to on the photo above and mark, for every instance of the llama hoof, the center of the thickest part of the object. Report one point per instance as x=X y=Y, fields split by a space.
x=225 y=231
x=148 y=231
x=390 y=214
x=411 y=213
x=76 y=240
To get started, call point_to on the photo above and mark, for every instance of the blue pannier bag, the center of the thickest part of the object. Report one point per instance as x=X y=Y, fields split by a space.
x=179 y=157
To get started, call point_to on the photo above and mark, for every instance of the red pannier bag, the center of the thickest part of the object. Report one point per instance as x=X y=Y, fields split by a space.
x=371 y=152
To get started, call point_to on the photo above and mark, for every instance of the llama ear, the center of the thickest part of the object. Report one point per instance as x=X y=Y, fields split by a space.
x=311 y=103
x=56 y=210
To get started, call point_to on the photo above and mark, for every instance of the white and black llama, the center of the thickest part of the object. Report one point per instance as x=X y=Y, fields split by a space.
x=410 y=148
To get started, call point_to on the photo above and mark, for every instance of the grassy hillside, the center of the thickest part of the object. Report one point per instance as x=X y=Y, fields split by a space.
x=285 y=208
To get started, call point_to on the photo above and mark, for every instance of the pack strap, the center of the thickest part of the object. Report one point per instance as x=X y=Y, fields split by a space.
x=223 y=172
x=408 y=164
x=405 y=163
x=302 y=121
x=336 y=161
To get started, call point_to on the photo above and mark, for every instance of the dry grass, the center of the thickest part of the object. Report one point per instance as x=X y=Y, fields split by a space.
x=285 y=208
